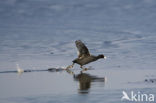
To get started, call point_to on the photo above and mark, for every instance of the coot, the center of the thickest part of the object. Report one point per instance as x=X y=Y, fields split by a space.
x=84 y=57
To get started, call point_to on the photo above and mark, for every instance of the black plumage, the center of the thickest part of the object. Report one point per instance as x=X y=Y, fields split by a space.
x=84 y=57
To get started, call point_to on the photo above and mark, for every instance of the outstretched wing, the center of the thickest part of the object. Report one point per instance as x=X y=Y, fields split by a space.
x=82 y=49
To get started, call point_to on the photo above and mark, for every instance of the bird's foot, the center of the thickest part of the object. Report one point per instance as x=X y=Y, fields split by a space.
x=70 y=66
x=70 y=72
x=85 y=69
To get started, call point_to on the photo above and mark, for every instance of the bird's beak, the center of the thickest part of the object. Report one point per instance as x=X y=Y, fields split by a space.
x=105 y=57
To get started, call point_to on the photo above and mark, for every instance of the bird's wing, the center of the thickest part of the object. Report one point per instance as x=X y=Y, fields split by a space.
x=82 y=49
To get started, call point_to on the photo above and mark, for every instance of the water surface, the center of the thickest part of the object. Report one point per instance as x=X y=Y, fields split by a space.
x=40 y=34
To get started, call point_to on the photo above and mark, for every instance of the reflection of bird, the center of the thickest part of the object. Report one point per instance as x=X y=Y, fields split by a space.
x=84 y=56
x=19 y=70
x=125 y=96
x=85 y=81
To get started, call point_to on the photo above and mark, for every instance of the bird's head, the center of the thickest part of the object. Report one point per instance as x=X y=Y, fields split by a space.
x=102 y=56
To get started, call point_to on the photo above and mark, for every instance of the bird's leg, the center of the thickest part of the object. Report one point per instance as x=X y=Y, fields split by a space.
x=70 y=66
x=84 y=69
x=81 y=67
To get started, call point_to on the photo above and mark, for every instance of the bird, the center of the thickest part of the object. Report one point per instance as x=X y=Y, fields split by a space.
x=84 y=57
x=19 y=70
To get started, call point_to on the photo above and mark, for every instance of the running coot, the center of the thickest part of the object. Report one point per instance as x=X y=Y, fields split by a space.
x=84 y=57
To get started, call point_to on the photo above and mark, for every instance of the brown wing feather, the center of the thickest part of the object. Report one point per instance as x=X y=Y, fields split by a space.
x=82 y=49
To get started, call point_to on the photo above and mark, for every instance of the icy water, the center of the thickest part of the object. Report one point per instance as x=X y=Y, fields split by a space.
x=40 y=34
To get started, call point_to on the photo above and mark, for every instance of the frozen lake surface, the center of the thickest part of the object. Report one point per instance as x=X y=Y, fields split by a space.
x=45 y=87
x=40 y=34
